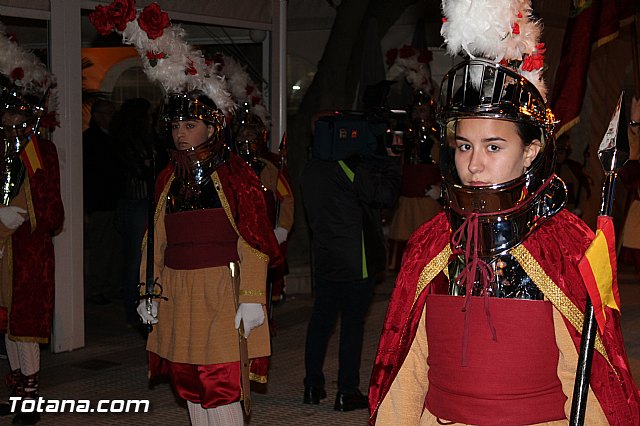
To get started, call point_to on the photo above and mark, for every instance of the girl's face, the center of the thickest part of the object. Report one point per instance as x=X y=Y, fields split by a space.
x=490 y=151
x=190 y=133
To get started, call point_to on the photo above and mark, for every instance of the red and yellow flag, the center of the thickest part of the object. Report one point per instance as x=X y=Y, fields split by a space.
x=31 y=156
x=283 y=189
x=599 y=270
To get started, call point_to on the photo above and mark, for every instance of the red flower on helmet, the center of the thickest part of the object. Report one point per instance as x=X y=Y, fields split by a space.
x=406 y=51
x=122 y=12
x=153 y=20
x=191 y=69
x=249 y=89
x=100 y=19
x=516 y=28
x=535 y=61
x=153 y=57
x=392 y=55
x=17 y=74
x=255 y=100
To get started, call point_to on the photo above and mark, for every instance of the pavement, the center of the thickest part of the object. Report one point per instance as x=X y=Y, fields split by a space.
x=112 y=366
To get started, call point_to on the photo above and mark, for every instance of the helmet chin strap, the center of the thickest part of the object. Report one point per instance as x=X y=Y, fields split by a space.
x=475 y=268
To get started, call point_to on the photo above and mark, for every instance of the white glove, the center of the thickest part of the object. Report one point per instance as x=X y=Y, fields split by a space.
x=12 y=216
x=281 y=234
x=148 y=317
x=251 y=315
x=434 y=192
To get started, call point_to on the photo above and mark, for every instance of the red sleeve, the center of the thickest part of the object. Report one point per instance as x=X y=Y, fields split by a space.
x=45 y=190
x=244 y=193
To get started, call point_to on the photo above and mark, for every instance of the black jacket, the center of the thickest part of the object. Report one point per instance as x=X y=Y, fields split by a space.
x=343 y=201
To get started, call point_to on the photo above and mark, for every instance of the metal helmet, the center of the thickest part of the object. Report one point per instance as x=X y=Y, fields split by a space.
x=251 y=138
x=507 y=212
x=199 y=161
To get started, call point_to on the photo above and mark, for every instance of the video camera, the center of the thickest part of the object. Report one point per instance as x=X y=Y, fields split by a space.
x=374 y=131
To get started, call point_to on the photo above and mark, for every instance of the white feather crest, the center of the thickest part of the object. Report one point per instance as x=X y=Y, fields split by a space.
x=498 y=30
x=416 y=72
x=176 y=65
x=484 y=28
x=36 y=78
x=239 y=81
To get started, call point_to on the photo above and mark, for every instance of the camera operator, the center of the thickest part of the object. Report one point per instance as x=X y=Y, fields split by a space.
x=344 y=190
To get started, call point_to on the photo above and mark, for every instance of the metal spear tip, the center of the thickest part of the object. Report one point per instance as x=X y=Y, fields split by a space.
x=614 y=148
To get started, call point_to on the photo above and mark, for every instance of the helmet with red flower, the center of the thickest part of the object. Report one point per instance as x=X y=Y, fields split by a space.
x=500 y=79
x=194 y=89
x=26 y=87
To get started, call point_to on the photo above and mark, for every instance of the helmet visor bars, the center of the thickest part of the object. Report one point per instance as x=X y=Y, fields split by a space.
x=480 y=88
x=181 y=106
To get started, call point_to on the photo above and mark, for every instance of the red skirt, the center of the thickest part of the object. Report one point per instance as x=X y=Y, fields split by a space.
x=211 y=385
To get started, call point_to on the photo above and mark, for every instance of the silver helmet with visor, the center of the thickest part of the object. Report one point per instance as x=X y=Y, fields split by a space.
x=196 y=162
x=506 y=212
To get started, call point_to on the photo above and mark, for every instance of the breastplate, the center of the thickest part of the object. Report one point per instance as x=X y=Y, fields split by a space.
x=193 y=188
x=188 y=194
x=510 y=280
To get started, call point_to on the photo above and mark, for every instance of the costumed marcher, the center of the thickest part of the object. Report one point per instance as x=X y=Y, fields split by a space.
x=210 y=216
x=573 y=175
x=30 y=215
x=630 y=176
x=250 y=131
x=420 y=188
x=343 y=199
x=484 y=324
x=272 y=170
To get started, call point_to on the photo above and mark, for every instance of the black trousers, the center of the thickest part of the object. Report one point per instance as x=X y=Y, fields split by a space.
x=351 y=301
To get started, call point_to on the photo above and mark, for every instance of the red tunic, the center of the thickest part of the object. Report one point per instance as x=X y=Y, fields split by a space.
x=31 y=311
x=557 y=246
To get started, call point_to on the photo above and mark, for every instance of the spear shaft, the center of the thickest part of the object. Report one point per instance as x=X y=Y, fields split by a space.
x=612 y=157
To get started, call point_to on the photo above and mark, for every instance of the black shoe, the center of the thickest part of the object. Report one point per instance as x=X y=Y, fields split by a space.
x=350 y=401
x=99 y=300
x=26 y=418
x=5 y=408
x=313 y=395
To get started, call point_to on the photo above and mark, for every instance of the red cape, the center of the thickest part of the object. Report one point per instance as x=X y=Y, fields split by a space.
x=558 y=256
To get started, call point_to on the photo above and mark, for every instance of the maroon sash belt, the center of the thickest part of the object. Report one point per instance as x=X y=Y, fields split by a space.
x=200 y=239
x=511 y=381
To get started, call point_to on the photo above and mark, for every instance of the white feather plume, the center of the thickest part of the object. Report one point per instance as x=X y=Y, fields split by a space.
x=177 y=66
x=36 y=78
x=239 y=80
x=498 y=30
x=417 y=73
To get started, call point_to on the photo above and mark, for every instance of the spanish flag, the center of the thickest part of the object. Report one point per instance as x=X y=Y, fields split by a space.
x=599 y=271
x=283 y=190
x=31 y=156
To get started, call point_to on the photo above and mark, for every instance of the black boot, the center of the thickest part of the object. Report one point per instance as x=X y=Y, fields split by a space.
x=30 y=390
x=12 y=379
